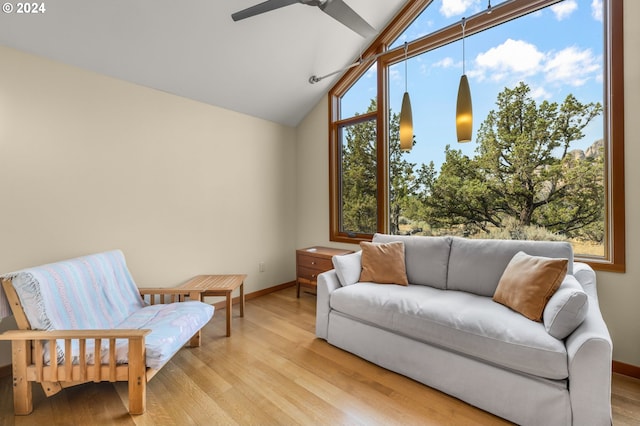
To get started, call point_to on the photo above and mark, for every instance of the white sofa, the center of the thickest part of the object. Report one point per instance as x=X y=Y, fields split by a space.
x=445 y=330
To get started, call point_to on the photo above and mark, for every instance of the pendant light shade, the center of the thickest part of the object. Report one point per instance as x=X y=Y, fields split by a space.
x=406 y=124
x=464 y=111
x=406 y=117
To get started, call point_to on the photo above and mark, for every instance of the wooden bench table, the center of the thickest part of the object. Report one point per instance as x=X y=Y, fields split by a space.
x=219 y=285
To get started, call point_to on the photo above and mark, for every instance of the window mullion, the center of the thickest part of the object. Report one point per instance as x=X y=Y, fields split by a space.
x=382 y=151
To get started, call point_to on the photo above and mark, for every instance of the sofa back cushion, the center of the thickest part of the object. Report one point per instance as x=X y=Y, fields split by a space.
x=476 y=266
x=426 y=258
x=348 y=267
x=567 y=309
x=90 y=292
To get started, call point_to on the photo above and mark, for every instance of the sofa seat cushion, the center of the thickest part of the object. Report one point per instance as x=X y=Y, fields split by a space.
x=463 y=322
x=171 y=325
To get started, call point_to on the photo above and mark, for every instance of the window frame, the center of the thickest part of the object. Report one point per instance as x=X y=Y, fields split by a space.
x=614 y=259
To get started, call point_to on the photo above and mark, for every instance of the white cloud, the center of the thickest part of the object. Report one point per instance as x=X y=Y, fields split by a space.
x=511 y=57
x=572 y=66
x=518 y=60
x=451 y=8
x=447 y=62
x=564 y=9
x=596 y=10
x=394 y=74
x=540 y=93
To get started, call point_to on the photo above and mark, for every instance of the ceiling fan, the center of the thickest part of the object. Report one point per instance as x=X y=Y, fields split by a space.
x=337 y=9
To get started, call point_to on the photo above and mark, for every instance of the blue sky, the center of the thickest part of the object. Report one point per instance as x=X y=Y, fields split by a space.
x=556 y=51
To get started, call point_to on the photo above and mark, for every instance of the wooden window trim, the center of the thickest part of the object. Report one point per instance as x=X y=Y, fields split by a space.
x=334 y=170
x=614 y=123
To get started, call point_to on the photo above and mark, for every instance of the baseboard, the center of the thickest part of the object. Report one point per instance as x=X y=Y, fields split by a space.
x=264 y=291
x=5 y=371
x=625 y=369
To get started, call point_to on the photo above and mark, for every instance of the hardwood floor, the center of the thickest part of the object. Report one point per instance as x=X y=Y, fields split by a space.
x=273 y=370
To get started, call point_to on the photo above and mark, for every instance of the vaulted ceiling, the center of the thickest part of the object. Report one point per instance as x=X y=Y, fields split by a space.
x=259 y=66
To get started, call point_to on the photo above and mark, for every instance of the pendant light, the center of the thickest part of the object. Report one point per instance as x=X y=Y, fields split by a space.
x=406 y=119
x=464 y=112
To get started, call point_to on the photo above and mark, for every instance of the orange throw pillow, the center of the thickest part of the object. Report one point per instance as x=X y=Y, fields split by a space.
x=383 y=263
x=528 y=283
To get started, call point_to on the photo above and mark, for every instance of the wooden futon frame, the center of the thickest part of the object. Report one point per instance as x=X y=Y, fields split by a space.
x=27 y=354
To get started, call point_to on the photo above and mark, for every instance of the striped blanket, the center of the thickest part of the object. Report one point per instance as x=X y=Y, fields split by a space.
x=89 y=292
x=5 y=309
x=98 y=292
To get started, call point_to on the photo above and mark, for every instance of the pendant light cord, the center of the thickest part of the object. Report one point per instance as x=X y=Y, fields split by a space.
x=464 y=22
x=406 y=81
x=316 y=79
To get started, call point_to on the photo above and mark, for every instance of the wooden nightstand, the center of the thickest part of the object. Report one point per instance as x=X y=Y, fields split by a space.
x=312 y=261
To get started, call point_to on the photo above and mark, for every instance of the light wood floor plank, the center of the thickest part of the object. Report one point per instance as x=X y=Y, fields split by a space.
x=273 y=371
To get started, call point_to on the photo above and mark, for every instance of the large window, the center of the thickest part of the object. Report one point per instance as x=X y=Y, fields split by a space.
x=546 y=156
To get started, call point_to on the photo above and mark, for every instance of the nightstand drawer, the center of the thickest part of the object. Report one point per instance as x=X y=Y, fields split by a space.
x=315 y=263
x=308 y=274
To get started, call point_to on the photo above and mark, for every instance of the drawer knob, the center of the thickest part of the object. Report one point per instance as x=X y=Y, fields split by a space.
x=313 y=262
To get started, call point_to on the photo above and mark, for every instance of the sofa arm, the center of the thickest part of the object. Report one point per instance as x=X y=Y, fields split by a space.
x=586 y=276
x=589 y=350
x=327 y=283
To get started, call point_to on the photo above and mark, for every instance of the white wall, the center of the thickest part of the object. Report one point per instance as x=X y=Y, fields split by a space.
x=619 y=293
x=90 y=163
x=312 y=172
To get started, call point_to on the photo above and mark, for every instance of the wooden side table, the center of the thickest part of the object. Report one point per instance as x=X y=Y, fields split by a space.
x=312 y=261
x=219 y=285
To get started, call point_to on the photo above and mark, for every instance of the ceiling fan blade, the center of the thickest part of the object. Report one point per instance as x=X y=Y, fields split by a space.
x=340 y=11
x=261 y=8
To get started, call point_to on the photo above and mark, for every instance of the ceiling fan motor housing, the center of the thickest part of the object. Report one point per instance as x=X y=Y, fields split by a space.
x=318 y=3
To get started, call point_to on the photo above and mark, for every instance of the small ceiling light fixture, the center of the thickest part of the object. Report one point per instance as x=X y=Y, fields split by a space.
x=464 y=111
x=406 y=119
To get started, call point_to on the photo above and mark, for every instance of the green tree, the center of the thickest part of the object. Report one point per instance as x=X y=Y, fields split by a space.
x=416 y=207
x=403 y=182
x=358 y=184
x=359 y=191
x=523 y=169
